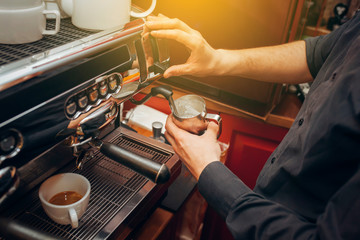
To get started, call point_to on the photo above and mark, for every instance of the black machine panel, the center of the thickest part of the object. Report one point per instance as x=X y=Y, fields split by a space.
x=44 y=97
x=48 y=85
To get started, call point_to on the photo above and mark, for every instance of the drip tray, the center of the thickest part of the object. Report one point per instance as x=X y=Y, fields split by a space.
x=113 y=187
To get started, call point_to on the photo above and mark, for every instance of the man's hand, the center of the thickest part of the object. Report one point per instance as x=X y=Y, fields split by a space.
x=195 y=151
x=203 y=58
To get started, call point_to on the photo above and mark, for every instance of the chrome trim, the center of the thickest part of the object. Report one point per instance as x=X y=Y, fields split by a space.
x=101 y=111
x=14 y=179
x=88 y=140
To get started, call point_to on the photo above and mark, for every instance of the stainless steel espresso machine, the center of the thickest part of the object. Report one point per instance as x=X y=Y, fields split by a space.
x=61 y=101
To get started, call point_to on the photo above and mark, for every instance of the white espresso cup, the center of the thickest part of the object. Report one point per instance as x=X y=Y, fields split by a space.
x=19 y=4
x=65 y=182
x=24 y=25
x=96 y=15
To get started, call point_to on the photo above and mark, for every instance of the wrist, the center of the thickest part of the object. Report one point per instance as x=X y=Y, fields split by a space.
x=200 y=168
x=227 y=63
x=218 y=63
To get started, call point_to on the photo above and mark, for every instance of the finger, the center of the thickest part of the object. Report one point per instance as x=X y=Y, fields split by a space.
x=167 y=23
x=177 y=70
x=151 y=18
x=145 y=34
x=150 y=60
x=212 y=130
x=170 y=139
x=177 y=35
x=176 y=132
x=170 y=126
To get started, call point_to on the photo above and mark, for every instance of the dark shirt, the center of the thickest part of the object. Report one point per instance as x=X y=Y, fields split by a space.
x=310 y=186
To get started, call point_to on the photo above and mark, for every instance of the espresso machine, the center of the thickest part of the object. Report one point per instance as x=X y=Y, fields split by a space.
x=61 y=100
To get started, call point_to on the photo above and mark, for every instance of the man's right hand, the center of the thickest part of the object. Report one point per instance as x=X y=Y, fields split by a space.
x=195 y=151
x=203 y=58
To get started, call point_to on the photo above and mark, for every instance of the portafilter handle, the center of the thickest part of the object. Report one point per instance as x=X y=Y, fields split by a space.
x=156 y=172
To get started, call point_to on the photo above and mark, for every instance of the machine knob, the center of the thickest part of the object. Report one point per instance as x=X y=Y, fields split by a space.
x=70 y=107
x=11 y=142
x=82 y=100
x=7 y=144
x=103 y=89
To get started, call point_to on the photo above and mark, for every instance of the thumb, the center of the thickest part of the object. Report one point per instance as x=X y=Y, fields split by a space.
x=212 y=130
x=176 y=70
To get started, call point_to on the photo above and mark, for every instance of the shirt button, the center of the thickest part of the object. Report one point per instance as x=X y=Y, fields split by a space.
x=273 y=160
x=301 y=121
x=333 y=76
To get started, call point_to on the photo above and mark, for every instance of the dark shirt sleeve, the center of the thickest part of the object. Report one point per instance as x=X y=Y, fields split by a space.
x=318 y=49
x=248 y=215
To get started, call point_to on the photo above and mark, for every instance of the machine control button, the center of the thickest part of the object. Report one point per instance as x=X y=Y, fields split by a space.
x=103 y=89
x=82 y=100
x=93 y=94
x=11 y=142
x=112 y=82
x=7 y=144
x=115 y=81
x=70 y=107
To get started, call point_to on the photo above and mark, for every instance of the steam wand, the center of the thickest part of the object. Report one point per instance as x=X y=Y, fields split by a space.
x=166 y=91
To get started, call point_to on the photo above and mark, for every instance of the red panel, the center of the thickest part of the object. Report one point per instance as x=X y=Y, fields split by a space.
x=247 y=155
x=251 y=143
x=250 y=126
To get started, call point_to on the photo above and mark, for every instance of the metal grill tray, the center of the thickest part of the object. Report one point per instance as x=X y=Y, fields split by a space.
x=112 y=186
x=68 y=33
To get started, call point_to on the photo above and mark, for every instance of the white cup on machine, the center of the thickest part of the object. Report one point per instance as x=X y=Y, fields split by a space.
x=65 y=197
x=97 y=15
x=24 y=21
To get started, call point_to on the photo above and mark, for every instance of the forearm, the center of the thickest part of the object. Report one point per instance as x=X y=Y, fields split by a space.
x=283 y=63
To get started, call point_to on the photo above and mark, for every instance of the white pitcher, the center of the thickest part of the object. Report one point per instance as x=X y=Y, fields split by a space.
x=101 y=14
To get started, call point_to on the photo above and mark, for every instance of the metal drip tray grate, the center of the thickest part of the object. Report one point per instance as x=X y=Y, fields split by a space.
x=68 y=33
x=112 y=186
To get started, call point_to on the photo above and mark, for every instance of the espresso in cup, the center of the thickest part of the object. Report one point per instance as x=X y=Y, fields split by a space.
x=65 y=197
